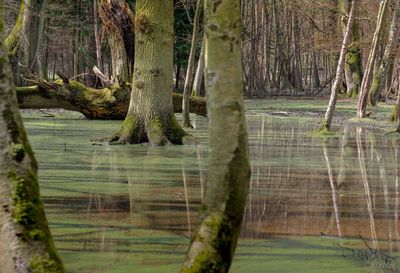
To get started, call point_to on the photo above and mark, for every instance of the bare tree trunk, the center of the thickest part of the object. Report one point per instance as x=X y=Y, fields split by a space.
x=366 y=82
x=327 y=123
x=97 y=36
x=190 y=69
x=26 y=244
x=383 y=68
x=213 y=247
x=198 y=79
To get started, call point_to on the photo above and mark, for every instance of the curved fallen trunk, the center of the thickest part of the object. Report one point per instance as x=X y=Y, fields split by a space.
x=107 y=103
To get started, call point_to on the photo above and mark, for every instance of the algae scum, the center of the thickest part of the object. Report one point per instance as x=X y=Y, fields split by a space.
x=315 y=205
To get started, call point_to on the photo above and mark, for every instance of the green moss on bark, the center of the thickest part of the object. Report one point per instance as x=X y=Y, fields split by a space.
x=40 y=264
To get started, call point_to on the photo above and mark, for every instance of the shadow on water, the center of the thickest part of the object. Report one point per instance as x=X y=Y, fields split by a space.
x=115 y=208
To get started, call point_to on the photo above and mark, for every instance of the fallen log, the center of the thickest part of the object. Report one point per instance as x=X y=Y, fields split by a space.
x=107 y=103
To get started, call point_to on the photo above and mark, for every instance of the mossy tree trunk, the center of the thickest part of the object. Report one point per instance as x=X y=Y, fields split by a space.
x=118 y=21
x=150 y=115
x=384 y=68
x=367 y=79
x=353 y=65
x=191 y=65
x=25 y=39
x=213 y=247
x=25 y=240
x=107 y=103
x=327 y=123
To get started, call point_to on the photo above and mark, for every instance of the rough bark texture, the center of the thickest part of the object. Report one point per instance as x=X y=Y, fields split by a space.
x=107 y=103
x=190 y=69
x=353 y=66
x=213 y=247
x=366 y=82
x=25 y=240
x=119 y=23
x=327 y=123
x=387 y=61
x=150 y=115
x=25 y=39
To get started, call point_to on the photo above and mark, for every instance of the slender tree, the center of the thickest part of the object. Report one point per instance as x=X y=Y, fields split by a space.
x=25 y=241
x=327 y=123
x=382 y=69
x=150 y=115
x=198 y=79
x=366 y=82
x=191 y=65
x=213 y=247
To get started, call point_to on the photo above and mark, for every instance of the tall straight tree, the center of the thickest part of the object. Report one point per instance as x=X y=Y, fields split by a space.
x=150 y=115
x=213 y=247
x=25 y=240
x=389 y=56
x=327 y=123
x=191 y=65
x=367 y=79
x=25 y=39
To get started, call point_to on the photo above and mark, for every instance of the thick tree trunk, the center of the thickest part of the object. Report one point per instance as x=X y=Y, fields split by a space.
x=383 y=68
x=327 y=123
x=119 y=23
x=106 y=103
x=25 y=39
x=213 y=247
x=366 y=82
x=150 y=115
x=25 y=240
x=190 y=69
x=353 y=66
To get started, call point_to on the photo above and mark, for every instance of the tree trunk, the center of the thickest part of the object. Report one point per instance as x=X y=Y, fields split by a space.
x=190 y=69
x=97 y=36
x=327 y=123
x=25 y=39
x=25 y=240
x=150 y=115
x=383 y=68
x=106 y=103
x=119 y=24
x=214 y=245
x=198 y=79
x=366 y=82
x=353 y=66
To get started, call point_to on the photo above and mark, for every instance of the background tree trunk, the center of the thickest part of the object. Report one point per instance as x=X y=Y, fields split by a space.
x=199 y=78
x=366 y=82
x=383 y=69
x=327 y=123
x=25 y=240
x=213 y=247
x=191 y=65
x=353 y=66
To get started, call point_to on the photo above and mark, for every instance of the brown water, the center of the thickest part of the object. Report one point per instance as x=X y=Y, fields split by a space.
x=131 y=208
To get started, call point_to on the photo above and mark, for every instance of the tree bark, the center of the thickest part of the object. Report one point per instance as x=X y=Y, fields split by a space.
x=107 y=103
x=213 y=247
x=26 y=244
x=150 y=116
x=353 y=66
x=383 y=68
x=198 y=79
x=119 y=23
x=327 y=123
x=366 y=82
x=25 y=39
x=190 y=69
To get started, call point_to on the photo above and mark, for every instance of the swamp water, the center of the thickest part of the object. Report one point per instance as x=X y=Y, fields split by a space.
x=314 y=205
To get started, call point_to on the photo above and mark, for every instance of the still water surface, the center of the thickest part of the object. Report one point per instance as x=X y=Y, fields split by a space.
x=314 y=206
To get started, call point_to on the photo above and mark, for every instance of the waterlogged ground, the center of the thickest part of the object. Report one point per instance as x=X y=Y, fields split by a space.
x=315 y=205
